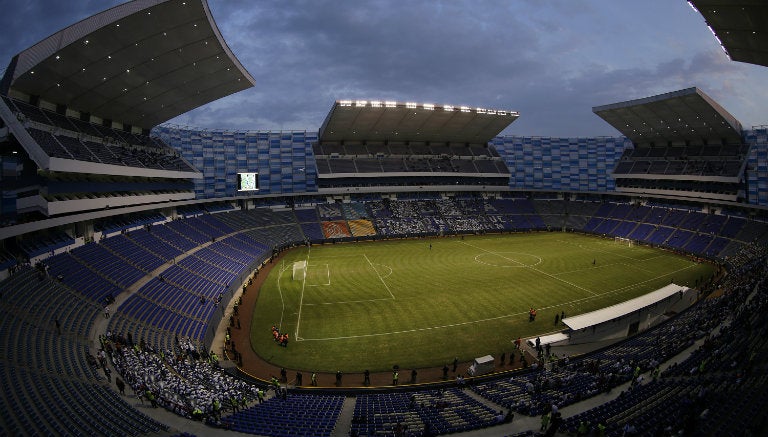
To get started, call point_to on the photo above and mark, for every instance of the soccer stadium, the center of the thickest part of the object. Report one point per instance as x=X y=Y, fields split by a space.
x=401 y=269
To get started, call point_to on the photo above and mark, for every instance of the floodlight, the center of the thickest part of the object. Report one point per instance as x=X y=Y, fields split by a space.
x=390 y=104
x=447 y=108
x=345 y=102
x=410 y=105
x=361 y=103
x=429 y=106
x=465 y=109
x=480 y=110
x=375 y=103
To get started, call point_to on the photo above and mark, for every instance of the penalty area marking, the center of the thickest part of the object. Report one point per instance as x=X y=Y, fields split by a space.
x=327 y=276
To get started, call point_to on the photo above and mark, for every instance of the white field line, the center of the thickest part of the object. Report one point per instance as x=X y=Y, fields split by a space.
x=532 y=268
x=301 y=299
x=379 y=276
x=504 y=316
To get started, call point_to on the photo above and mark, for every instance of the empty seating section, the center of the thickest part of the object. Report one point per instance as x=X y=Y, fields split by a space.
x=116 y=269
x=152 y=243
x=47 y=386
x=297 y=415
x=173 y=238
x=132 y=252
x=50 y=145
x=167 y=309
x=79 y=277
x=330 y=211
x=277 y=236
x=191 y=282
x=306 y=215
x=438 y=411
x=401 y=158
x=189 y=230
x=100 y=144
x=45 y=243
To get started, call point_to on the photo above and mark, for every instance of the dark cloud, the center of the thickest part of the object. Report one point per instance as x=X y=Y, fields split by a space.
x=552 y=60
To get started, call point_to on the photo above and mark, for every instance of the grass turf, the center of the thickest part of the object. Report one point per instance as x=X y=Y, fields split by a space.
x=420 y=303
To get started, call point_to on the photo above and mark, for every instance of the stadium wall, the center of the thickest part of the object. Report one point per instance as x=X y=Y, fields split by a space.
x=286 y=164
x=284 y=160
x=757 y=166
x=561 y=164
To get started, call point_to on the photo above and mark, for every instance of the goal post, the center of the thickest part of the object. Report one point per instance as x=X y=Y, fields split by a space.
x=625 y=241
x=299 y=270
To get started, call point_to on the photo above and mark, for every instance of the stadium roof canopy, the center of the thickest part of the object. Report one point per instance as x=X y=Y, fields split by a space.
x=140 y=63
x=380 y=121
x=741 y=27
x=687 y=114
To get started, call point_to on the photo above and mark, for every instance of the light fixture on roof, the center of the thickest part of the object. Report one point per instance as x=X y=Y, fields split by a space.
x=410 y=105
x=361 y=103
x=345 y=102
x=464 y=109
x=86 y=41
x=447 y=108
x=58 y=57
x=480 y=110
x=375 y=104
x=428 y=106
x=390 y=104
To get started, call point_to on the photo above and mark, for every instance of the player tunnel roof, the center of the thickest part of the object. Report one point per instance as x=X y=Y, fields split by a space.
x=142 y=63
x=380 y=121
x=687 y=114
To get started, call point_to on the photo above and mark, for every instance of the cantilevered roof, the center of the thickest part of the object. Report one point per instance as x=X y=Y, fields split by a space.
x=741 y=27
x=141 y=63
x=687 y=114
x=361 y=120
x=621 y=309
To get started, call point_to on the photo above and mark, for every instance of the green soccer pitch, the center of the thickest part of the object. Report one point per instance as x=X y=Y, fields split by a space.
x=420 y=303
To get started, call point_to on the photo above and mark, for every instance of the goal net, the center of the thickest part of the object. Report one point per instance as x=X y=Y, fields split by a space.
x=624 y=241
x=299 y=270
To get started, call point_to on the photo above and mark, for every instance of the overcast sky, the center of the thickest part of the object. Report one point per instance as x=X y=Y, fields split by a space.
x=551 y=60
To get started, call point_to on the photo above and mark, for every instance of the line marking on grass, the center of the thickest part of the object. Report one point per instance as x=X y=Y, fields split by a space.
x=301 y=299
x=531 y=268
x=280 y=290
x=349 y=301
x=379 y=276
x=327 y=276
x=488 y=319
